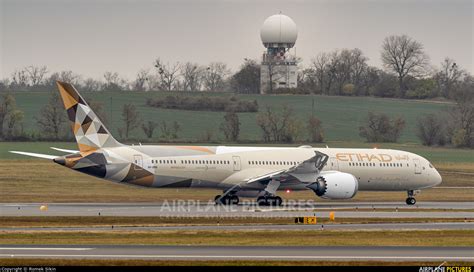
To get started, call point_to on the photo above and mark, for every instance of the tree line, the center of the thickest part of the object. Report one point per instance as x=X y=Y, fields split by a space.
x=406 y=72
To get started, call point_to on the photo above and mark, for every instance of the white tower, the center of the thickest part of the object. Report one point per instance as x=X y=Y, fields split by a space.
x=278 y=69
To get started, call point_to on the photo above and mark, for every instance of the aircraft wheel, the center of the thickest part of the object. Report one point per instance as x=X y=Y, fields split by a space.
x=234 y=200
x=278 y=201
x=216 y=199
x=411 y=201
x=262 y=201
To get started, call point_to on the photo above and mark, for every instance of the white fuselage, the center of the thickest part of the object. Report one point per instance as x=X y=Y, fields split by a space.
x=223 y=167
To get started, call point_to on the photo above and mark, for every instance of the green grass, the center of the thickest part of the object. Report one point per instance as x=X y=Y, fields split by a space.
x=341 y=116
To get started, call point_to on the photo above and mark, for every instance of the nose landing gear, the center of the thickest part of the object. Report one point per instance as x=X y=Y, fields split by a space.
x=411 y=197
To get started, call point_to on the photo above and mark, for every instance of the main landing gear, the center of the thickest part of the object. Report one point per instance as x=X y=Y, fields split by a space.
x=269 y=201
x=227 y=199
x=411 y=197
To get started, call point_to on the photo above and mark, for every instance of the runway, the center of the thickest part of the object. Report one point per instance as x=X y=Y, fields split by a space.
x=247 y=227
x=341 y=253
x=206 y=209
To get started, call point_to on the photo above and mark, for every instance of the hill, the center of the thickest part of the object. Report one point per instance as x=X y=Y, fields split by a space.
x=341 y=116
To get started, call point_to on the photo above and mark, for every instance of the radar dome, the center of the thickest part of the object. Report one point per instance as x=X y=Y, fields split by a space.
x=279 y=31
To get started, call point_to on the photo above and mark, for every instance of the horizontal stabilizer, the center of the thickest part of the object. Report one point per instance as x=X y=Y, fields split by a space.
x=37 y=155
x=65 y=150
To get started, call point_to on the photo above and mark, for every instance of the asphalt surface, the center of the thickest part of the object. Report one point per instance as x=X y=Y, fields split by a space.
x=240 y=252
x=332 y=226
x=205 y=209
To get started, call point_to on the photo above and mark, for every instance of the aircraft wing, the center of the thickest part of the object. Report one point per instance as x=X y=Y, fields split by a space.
x=37 y=155
x=305 y=172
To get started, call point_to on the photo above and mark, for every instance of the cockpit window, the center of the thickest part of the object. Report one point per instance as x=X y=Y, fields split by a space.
x=431 y=166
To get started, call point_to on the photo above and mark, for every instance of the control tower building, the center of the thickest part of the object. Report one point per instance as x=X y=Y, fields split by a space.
x=278 y=68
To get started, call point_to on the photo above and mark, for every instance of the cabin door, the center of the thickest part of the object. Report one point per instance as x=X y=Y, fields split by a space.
x=417 y=165
x=236 y=162
x=138 y=162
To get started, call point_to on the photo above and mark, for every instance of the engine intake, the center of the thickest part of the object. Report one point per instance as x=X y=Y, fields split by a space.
x=335 y=186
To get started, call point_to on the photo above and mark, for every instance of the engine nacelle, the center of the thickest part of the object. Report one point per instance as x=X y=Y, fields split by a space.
x=335 y=185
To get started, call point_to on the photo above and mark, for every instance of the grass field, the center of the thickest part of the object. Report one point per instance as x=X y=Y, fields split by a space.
x=341 y=116
x=44 y=181
x=245 y=238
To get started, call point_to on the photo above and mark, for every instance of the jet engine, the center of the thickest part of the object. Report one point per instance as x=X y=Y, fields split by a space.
x=335 y=185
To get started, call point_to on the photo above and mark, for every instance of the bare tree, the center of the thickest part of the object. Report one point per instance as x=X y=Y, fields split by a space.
x=462 y=115
x=315 y=130
x=231 y=126
x=275 y=127
x=65 y=76
x=169 y=131
x=429 y=129
x=378 y=127
x=142 y=78
x=214 y=76
x=52 y=118
x=168 y=74
x=131 y=119
x=7 y=106
x=448 y=77
x=149 y=128
x=113 y=81
x=36 y=74
x=403 y=56
x=13 y=126
x=192 y=76
x=20 y=78
x=91 y=85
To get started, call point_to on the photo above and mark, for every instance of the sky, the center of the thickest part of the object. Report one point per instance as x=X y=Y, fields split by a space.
x=124 y=36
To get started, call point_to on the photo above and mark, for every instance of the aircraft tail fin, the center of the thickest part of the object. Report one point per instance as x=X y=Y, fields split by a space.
x=89 y=131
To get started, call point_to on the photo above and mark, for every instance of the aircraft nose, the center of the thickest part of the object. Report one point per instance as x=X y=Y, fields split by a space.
x=60 y=160
x=437 y=179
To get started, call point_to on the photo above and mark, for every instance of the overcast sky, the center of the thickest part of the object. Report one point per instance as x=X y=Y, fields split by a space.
x=91 y=37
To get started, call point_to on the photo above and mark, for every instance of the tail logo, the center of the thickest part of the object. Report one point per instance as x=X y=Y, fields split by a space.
x=89 y=131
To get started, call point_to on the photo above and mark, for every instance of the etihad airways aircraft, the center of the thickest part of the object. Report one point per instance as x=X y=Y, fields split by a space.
x=331 y=173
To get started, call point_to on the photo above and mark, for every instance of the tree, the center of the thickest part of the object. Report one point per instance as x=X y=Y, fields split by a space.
x=275 y=127
x=169 y=131
x=379 y=127
x=449 y=77
x=14 y=124
x=462 y=115
x=429 y=129
x=131 y=119
x=11 y=118
x=148 y=128
x=113 y=82
x=65 y=76
x=167 y=74
x=7 y=106
x=52 y=118
x=315 y=130
x=91 y=85
x=247 y=79
x=142 y=78
x=403 y=56
x=36 y=74
x=214 y=76
x=192 y=77
x=231 y=126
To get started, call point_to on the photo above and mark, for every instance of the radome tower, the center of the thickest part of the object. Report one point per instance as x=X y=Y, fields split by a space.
x=278 y=68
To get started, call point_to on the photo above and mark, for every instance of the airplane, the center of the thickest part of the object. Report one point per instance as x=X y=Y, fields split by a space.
x=331 y=173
